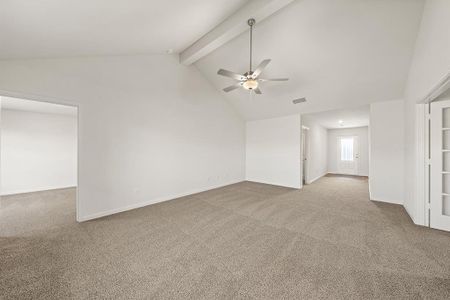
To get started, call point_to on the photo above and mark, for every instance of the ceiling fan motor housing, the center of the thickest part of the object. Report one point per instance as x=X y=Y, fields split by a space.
x=248 y=74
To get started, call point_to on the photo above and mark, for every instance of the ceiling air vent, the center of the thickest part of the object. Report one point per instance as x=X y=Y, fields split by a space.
x=299 y=100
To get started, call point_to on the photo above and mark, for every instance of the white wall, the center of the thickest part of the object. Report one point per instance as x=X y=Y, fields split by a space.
x=38 y=151
x=431 y=62
x=273 y=151
x=318 y=147
x=363 y=139
x=386 y=179
x=150 y=129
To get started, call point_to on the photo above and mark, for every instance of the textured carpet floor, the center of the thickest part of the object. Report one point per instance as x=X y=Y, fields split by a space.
x=246 y=240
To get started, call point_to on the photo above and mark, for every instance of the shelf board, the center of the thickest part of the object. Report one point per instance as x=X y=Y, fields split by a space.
x=446 y=128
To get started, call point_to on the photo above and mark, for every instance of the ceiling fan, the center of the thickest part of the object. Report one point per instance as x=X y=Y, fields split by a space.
x=249 y=80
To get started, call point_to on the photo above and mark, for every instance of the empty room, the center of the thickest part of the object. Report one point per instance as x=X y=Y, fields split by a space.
x=225 y=149
x=38 y=164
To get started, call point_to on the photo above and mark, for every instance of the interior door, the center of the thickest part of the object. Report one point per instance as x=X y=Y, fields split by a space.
x=440 y=166
x=348 y=155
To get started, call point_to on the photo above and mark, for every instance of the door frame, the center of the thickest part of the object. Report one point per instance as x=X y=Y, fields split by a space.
x=421 y=194
x=305 y=158
x=437 y=218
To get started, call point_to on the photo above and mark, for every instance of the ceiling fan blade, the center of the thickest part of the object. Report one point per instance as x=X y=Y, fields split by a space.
x=273 y=79
x=260 y=68
x=232 y=87
x=257 y=91
x=230 y=74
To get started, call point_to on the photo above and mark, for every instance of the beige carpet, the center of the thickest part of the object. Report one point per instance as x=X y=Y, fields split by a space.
x=244 y=241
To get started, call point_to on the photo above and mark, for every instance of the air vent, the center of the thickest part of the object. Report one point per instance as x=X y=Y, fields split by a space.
x=300 y=100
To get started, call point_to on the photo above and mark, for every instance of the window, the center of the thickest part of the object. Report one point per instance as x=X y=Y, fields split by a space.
x=347 y=149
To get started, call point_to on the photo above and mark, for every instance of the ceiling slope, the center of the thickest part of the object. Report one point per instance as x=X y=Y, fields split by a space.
x=68 y=28
x=36 y=106
x=337 y=54
x=233 y=26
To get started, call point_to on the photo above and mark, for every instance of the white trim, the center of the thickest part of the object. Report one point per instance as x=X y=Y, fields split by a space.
x=421 y=217
x=420 y=197
x=305 y=140
x=317 y=178
x=18 y=192
x=396 y=202
x=150 y=202
x=357 y=175
x=337 y=173
x=442 y=86
x=275 y=184
x=438 y=217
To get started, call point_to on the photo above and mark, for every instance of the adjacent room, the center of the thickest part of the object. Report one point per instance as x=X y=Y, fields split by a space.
x=364 y=142
x=38 y=164
x=337 y=143
x=225 y=149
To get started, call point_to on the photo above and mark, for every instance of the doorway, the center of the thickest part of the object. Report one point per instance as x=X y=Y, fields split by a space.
x=324 y=152
x=439 y=208
x=38 y=163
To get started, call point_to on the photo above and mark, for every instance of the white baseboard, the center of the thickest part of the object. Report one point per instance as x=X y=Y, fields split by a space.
x=314 y=179
x=337 y=173
x=388 y=201
x=150 y=202
x=274 y=183
x=44 y=189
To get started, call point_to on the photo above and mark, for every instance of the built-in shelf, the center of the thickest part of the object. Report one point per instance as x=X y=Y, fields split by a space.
x=445 y=172
x=445 y=150
x=446 y=128
x=445 y=194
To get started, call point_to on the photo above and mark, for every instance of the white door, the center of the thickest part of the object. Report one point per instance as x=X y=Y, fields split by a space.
x=348 y=155
x=440 y=166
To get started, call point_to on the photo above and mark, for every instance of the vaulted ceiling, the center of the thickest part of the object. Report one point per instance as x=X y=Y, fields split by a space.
x=337 y=53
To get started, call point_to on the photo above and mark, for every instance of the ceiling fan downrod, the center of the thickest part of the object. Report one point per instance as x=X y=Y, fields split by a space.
x=250 y=23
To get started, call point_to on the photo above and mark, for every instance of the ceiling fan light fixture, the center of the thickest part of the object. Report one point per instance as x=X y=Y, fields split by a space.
x=250 y=79
x=250 y=84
